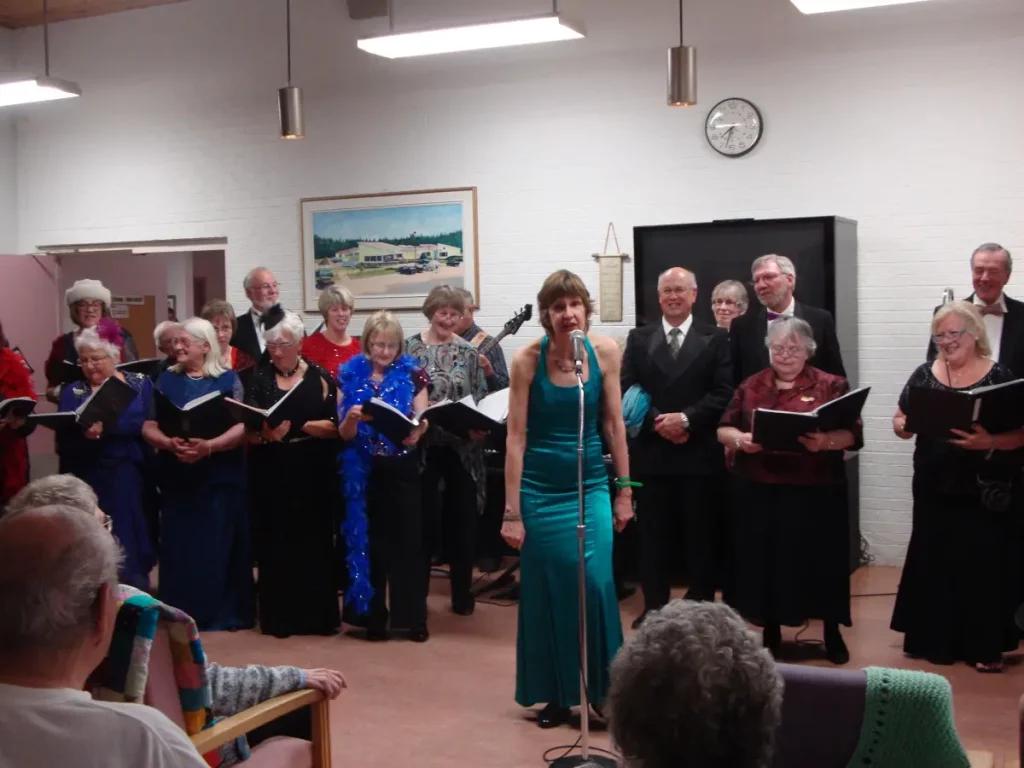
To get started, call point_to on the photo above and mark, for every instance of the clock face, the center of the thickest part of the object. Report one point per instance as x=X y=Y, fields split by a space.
x=734 y=127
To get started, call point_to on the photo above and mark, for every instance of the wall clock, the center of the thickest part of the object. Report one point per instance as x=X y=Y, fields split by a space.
x=734 y=126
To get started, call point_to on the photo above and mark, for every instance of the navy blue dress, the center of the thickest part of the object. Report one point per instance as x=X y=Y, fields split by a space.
x=205 y=560
x=114 y=465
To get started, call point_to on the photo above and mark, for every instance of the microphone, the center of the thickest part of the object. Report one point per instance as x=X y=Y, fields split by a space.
x=576 y=337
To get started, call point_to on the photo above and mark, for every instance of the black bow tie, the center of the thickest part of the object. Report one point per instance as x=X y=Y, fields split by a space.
x=271 y=317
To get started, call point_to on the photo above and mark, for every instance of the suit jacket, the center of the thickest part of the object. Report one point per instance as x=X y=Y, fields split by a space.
x=750 y=355
x=245 y=337
x=697 y=382
x=1011 y=344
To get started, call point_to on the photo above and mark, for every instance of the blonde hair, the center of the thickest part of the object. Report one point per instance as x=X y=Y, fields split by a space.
x=973 y=323
x=335 y=296
x=382 y=322
x=443 y=296
x=203 y=330
x=559 y=285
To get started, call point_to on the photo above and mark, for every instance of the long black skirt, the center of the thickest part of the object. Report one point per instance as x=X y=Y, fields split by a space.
x=294 y=492
x=959 y=588
x=791 y=553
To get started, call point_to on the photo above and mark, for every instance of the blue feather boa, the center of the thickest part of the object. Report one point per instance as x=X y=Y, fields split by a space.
x=396 y=389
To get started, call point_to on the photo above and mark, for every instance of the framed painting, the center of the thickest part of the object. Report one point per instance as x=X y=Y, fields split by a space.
x=390 y=249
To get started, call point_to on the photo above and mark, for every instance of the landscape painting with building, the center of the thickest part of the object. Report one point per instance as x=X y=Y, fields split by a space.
x=389 y=250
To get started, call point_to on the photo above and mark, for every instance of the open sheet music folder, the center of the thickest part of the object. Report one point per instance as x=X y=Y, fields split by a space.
x=779 y=430
x=455 y=416
x=934 y=412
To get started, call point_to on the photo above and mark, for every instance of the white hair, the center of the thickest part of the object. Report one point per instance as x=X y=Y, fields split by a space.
x=55 y=490
x=48 y=594
x=251 y=274
x=203 y=330
x=784 y=263
x=88 y=338
x=163 y=328
x=787 y=327
x=290 y=323
x=693 y=277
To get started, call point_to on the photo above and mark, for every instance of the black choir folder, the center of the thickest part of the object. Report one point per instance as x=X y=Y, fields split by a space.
x=18 y=407
x=779 y=430
x=934 y=412
x=253 y=417
x=105 y=405
x=455 y=416
x=204 y=418
x=70 y=372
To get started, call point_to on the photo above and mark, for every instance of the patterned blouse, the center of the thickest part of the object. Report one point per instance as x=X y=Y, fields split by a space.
x=811 y=389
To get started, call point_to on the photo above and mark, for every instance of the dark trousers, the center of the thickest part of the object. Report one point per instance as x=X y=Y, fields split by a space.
x=489 y=542
x=450 y=518
x=666 y=505
x=297 y=725
x=394 y=518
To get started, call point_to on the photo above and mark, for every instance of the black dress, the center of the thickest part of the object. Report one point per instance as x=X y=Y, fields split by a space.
x=959 y=587
x=294 y=493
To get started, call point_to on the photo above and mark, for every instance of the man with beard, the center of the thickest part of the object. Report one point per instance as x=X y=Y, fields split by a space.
x=683 y=365
x=262 y=290
x=774 y=282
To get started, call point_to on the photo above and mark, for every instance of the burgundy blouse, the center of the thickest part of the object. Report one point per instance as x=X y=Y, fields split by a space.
x=811 y=389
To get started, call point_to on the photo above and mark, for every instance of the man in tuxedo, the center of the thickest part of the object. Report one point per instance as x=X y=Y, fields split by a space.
x=683 y=365
x=774 y=282
x=262 y=290
x=991 y=265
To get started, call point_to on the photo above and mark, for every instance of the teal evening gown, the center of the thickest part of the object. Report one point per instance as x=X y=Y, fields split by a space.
x=547 y=660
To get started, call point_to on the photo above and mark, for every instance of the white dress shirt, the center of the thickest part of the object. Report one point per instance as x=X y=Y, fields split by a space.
x=64 y=727
x=993 y=326
x=788 y=311
x=684 y=328
x=256 y=315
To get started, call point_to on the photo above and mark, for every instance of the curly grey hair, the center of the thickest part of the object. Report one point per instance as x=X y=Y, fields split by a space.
x=54 y=490
x=795 y=328
x=694 y=687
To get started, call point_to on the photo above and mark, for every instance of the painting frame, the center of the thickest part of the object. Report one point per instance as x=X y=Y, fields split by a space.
x=365 y=259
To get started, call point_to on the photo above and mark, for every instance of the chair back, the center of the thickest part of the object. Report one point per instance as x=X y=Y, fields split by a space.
x=161 y=686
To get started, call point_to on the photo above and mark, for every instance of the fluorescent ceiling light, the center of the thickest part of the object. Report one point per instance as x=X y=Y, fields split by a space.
x=37 y=89
x=827 y=6
x=539 y=29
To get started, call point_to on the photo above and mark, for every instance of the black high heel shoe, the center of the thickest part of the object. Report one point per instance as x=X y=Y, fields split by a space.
x=835 y=647
x=552 y=716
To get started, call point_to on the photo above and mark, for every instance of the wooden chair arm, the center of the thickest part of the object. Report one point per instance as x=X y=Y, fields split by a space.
x=230 y=728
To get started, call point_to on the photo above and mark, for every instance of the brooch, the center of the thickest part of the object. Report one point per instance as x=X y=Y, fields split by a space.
x=807 y=399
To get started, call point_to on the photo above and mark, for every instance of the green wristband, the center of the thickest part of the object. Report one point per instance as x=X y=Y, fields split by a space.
x=625 y=482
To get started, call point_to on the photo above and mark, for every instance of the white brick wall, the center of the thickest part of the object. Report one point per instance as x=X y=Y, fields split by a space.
x=906 y=119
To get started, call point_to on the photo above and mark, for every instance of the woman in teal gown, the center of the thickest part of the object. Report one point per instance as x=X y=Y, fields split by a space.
x=541 y=509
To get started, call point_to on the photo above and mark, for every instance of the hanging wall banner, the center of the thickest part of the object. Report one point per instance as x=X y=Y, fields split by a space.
x=609 y=267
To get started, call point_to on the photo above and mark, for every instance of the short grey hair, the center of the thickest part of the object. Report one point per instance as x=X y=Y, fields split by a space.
x=89 y=338
x=55 y=490
x=203 y=330
x=735 y=290
x=788 y=327
x=784 y=263
x=251 y=274
x=162 y=328
x=693 y=277
x=994 y=248
x=48 y=593
x=291 y=323
x=695 y=687
x=335 y=296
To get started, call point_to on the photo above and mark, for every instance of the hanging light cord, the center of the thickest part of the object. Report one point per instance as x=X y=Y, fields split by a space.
x=288 y=35
x=46 y=37
x=391 y=16
x=680 y=23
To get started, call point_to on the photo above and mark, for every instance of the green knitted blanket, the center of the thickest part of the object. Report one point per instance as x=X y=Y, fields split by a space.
x=908 y=722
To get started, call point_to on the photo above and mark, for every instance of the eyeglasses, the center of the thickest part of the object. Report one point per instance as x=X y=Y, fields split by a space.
x=108 y=523
x=938 y=338
x=84 y=361
x=265 y=287
x=281 y=344
x=89 y=304
x=724 y=303
x=778 y=350
x=385 y=346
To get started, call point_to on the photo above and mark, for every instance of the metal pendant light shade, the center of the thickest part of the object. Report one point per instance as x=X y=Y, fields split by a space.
x=289 y=104
x=682 y=76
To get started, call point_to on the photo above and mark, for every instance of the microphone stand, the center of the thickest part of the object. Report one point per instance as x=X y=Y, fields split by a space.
x=584 y=760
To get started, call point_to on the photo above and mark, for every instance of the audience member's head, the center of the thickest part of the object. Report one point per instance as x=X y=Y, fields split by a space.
x=58 y=581
x=59 y=491
x=694 y=687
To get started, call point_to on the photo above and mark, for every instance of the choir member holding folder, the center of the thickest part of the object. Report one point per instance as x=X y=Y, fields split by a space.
x=960 y=581
x=15 y=387
x=110 y=454
x=792 y=531
x=293 y=435
x=205 y=565
x=382 y=483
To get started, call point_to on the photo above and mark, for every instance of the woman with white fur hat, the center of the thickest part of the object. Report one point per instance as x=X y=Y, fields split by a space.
x=88 y=301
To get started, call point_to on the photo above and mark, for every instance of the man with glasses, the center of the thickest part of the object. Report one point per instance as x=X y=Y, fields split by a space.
x=683 y=365
x=262 y=291
x=774 y=283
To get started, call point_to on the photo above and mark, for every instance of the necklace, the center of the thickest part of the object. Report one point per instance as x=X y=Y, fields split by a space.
x=565 y=366
x=290 y=373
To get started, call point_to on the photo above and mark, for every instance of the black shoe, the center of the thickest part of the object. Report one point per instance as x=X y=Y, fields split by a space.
x=639 y=620
x=771 y=638
x=835 y=647
x=464 y=607
x=377 y=634
x=419 y=634
x=552 y=716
